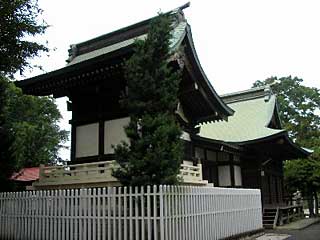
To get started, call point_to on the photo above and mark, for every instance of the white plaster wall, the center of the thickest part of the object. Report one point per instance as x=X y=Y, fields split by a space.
x=224 y=176
x=237 y=176
x=114 y=133
x=87 y=140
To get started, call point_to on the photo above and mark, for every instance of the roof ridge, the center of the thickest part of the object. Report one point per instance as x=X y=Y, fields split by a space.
x=110 y=38
x=248 y=94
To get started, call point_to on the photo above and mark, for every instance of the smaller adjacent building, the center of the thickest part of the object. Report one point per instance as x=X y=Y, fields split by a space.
x=255 y=129
x=26 y=177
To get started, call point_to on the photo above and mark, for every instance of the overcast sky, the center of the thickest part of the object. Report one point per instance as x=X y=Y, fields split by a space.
x=237 y=41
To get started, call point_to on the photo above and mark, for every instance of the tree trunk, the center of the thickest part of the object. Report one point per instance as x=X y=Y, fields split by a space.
x=316 y=206
x=310 y=203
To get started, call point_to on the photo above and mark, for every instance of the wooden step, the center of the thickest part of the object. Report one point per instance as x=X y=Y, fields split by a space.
x=270 y=210
x=268 y=226
x=269 y=215
x=268 y=222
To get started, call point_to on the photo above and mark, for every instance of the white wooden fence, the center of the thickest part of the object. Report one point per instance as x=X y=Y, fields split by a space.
x=158 y=212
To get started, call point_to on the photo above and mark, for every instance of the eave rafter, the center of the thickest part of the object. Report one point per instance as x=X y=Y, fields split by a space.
x=60 y=84
x=97 y=60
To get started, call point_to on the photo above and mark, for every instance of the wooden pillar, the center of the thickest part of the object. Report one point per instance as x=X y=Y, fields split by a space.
x=101 y=138
x=73 y=142
x=232 y=169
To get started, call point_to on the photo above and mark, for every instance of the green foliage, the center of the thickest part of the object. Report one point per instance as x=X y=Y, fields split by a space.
x=19 y=20
x=155 y=151
x=303 y=174
x=299 y=109
x=6 y=165
x=29 y=129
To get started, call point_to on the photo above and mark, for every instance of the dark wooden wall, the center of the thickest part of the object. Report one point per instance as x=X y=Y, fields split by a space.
x=258 y=172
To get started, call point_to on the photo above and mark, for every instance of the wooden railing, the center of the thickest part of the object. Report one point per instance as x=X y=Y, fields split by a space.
x=86 y=174
x=192 y=174
x=99 y=174
x=289 y=213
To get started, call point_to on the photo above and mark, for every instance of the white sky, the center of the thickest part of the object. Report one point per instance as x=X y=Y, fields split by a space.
x=238 y=42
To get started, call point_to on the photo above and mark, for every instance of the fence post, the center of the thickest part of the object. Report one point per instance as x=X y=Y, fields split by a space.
x=159 y=213
x=161 y=194
x=142 y=205
x=149 y=212
x=155 y=211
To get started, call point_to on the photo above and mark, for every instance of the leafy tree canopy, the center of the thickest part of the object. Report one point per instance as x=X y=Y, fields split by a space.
x=29 y=129
x=298 y=105
x=19 y=20
x=155 y=150
x=299 y=111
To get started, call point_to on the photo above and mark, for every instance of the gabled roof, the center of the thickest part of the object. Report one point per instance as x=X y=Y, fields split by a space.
x=254 y=110
x=255 y=122
x=97 y=52
x=26 y=174
x=177 y=37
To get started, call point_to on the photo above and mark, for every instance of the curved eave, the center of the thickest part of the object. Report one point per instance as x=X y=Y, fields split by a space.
x=37 y=85
x=230 y=146
x=297 y=152
x=68 y=71
x=275 y=115
x=59 y=81
x=261 y=139
x=302 y=151
x=219 y=104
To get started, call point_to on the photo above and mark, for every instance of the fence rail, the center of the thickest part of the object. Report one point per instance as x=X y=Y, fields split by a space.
x=96 y=173
x=192 y=174
x=76 y=174
x=158 y=212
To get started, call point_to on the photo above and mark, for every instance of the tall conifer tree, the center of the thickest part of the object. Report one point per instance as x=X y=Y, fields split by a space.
x=155 y=150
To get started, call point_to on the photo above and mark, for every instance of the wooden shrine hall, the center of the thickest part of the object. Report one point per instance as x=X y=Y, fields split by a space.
x=93 y=80
x=231 y=141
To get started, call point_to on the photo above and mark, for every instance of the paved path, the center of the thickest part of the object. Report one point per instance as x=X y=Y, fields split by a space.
x=310 y=233
x=299 y=224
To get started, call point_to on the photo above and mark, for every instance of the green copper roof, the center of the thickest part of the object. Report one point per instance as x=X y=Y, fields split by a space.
x=178 y=34
x=87 y=61
x=253 y=113
x=105 y=50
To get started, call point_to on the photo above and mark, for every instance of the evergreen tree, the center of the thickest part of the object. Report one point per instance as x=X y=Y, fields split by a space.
x=155 y=150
